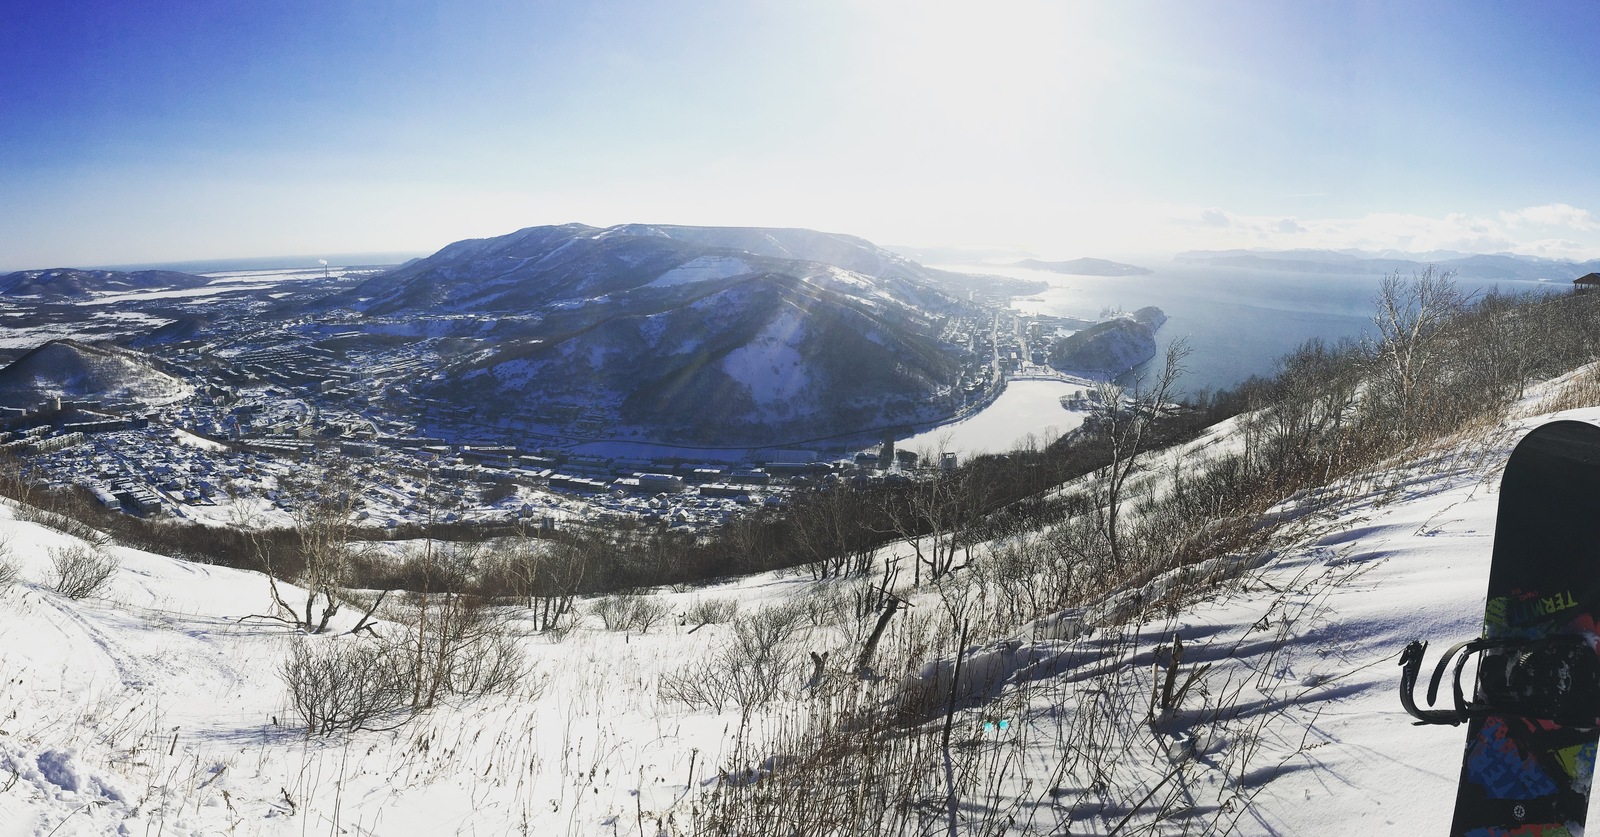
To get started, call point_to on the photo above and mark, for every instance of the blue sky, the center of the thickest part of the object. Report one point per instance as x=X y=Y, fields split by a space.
x=136 y=131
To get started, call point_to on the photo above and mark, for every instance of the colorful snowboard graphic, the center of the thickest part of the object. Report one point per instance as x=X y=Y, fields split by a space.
x=1532 y=718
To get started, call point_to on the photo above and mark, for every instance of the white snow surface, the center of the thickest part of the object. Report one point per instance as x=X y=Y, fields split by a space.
x=180 y=293
x=771 y=364
x=152 y=709
x=701 y=269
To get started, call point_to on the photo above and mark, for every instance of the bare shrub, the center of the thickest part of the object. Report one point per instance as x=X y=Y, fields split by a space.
x=9 y=573
x=711 y=611
x=757 y=678
x=612 y=611
x=498 y=665
x=81 y=571
x=748 y=671
x=629 y=613
x=849 y=772
x=1021 y=576
x=1581 y=389
x=833 y=602
x=459 y=647
x=697 y=686
x=759 y=660
x=349 y=685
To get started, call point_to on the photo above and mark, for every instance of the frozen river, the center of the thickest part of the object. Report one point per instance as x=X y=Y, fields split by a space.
x=1026 y=409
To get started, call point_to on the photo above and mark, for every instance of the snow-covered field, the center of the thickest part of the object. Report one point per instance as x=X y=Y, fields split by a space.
x=151 y=709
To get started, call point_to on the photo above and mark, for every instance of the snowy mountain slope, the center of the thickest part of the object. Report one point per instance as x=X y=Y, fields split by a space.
x=98 y=688
x=152 y=708
x=767 y=356
x=1294 y=725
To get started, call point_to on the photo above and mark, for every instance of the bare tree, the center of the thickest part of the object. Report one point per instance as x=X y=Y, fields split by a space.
x=1307 y=406
x=549 y=572
x=1409 y=320
x=324 y=524
x=14 y=482
x=833 y=531
x=945 y=507
x=1126 y=421
x=933 y=514
x=747 y=534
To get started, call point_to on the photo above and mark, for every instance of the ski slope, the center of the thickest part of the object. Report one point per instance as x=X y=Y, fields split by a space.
x=152 y=709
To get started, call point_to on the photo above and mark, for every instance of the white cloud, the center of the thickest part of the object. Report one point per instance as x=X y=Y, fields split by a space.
x=1553 y=215
x=1288 y=226
x=1215 y=218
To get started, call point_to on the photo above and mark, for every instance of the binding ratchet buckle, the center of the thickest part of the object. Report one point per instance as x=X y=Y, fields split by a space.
x=1554 y=678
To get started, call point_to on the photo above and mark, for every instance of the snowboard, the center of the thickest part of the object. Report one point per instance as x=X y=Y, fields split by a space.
x=1534 y=716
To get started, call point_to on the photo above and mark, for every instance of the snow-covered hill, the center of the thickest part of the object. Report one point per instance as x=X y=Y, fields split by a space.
x=770 y=357
x=73 y=370
x=71 y=283
x=152 y=709
x=1111 y=347
x=710 y=335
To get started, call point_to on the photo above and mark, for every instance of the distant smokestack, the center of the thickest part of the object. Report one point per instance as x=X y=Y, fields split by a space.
x=324 y=267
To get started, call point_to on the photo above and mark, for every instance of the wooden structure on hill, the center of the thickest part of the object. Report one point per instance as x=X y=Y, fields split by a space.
x=1587 y=282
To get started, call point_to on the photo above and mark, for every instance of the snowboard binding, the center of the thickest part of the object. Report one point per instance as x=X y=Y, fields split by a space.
x=1555 y=678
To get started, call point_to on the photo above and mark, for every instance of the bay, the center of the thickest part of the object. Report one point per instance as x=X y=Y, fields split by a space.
x=1235 y=323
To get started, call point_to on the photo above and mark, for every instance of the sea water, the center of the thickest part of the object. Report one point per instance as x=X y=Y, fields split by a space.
x=1235 y=322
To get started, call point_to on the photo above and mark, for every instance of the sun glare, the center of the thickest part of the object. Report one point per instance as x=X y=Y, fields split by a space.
x=1009 y=59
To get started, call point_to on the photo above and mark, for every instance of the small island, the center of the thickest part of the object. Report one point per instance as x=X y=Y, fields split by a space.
x=1086 y=267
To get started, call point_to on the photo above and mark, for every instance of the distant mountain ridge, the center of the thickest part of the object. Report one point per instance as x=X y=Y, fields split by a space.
x=73 y=283
x=220 y=265
x=708 y=335
x=537 y=266
x=1498 y=266
x=1086 y=267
